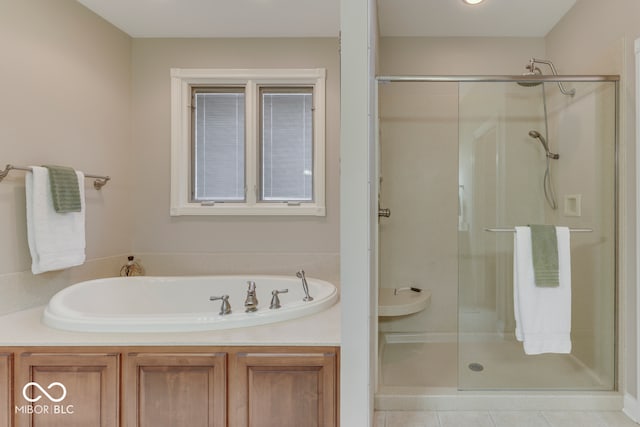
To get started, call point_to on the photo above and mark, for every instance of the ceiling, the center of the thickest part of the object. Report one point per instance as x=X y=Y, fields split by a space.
x=321 y=18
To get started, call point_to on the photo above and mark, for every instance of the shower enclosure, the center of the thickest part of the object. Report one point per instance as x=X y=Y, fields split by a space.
x=463 y=160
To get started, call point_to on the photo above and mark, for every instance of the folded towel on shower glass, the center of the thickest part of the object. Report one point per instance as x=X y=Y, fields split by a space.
x=65 y=190
x=56 y=240
x=542 y=314
x=544 y=252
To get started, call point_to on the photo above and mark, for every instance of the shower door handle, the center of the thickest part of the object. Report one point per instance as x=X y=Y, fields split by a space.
x=384 y=213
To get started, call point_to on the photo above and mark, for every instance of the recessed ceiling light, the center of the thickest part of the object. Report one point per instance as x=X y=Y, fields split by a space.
x=472 y=1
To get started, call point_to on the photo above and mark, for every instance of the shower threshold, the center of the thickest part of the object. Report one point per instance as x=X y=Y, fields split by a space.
x=391 y=398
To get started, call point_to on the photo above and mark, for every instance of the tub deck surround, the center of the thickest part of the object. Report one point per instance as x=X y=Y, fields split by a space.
x=25 y=328
x=181 y=304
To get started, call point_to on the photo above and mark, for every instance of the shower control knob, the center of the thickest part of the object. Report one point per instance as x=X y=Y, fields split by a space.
x=225 y=307
x=275 y=301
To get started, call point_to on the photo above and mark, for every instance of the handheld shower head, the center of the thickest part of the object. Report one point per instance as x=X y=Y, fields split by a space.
x=546 y=183
x=535 y=134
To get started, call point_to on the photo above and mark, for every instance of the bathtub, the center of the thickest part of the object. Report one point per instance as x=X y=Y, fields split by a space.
x=173 y=304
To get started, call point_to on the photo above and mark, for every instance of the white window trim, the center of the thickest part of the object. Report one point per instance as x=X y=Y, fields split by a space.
x=181 y=81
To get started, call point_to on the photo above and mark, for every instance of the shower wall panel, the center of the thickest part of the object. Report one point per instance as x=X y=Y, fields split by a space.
x=418 y=134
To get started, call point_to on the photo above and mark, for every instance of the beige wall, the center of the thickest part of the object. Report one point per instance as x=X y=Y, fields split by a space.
x=157 y=232
x=65 y=100
x=457 y=55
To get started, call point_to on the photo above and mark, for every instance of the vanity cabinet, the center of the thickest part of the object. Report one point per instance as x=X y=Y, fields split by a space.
x=6 y=402
x=169 y=386
x=175 y=389
x=70 y=388
x=283 y=390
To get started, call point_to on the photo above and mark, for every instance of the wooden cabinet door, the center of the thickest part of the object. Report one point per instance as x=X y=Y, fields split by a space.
x=66 y=389
x=6 y=402
x=283 y=390
x=171 y=390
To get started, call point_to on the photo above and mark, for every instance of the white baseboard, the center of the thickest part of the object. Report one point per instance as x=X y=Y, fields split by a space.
x=631 y=407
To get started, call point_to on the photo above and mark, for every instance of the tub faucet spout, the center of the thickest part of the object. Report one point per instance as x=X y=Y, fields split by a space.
x=251 y=302
x=305 y=286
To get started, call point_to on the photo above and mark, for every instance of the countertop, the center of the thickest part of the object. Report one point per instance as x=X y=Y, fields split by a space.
x=24 y=328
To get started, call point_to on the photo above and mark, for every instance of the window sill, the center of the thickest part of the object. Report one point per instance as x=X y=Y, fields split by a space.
x=266 y=209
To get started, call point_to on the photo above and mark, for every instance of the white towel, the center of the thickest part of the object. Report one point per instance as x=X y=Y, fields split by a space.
x=543 y=314
x=56 y=240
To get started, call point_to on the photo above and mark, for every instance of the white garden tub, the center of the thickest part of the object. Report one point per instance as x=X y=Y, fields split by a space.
x=170 y=304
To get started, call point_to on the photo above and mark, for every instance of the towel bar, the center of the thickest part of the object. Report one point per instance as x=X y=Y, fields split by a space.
x=99 y=180
x=512 y=230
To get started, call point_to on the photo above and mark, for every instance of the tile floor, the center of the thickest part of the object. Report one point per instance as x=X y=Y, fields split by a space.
x=501 y=419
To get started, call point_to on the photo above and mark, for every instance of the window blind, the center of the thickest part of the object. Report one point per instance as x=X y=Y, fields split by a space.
x=219 y=123
x=287 y=145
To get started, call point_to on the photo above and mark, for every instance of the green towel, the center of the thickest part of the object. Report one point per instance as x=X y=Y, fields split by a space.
x=65 y=191
x=544 y=251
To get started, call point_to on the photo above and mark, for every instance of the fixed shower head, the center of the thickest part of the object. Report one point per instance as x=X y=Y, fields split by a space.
x=529 y=84
x=532 y=70
x=535 y=134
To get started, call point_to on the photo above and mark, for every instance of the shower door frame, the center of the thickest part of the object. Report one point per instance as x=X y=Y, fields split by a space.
x=538 y=78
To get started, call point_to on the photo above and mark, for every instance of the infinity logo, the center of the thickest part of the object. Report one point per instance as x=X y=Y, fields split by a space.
x=43 y=391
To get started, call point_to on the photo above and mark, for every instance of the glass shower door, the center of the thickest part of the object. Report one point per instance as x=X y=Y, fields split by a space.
x=506 y=179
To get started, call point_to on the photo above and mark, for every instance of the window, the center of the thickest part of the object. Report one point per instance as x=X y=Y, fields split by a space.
x=247 y=142
x=217 y=134
x=286 y=144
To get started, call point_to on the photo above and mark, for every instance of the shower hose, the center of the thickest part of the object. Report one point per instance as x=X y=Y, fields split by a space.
x=546 y=183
